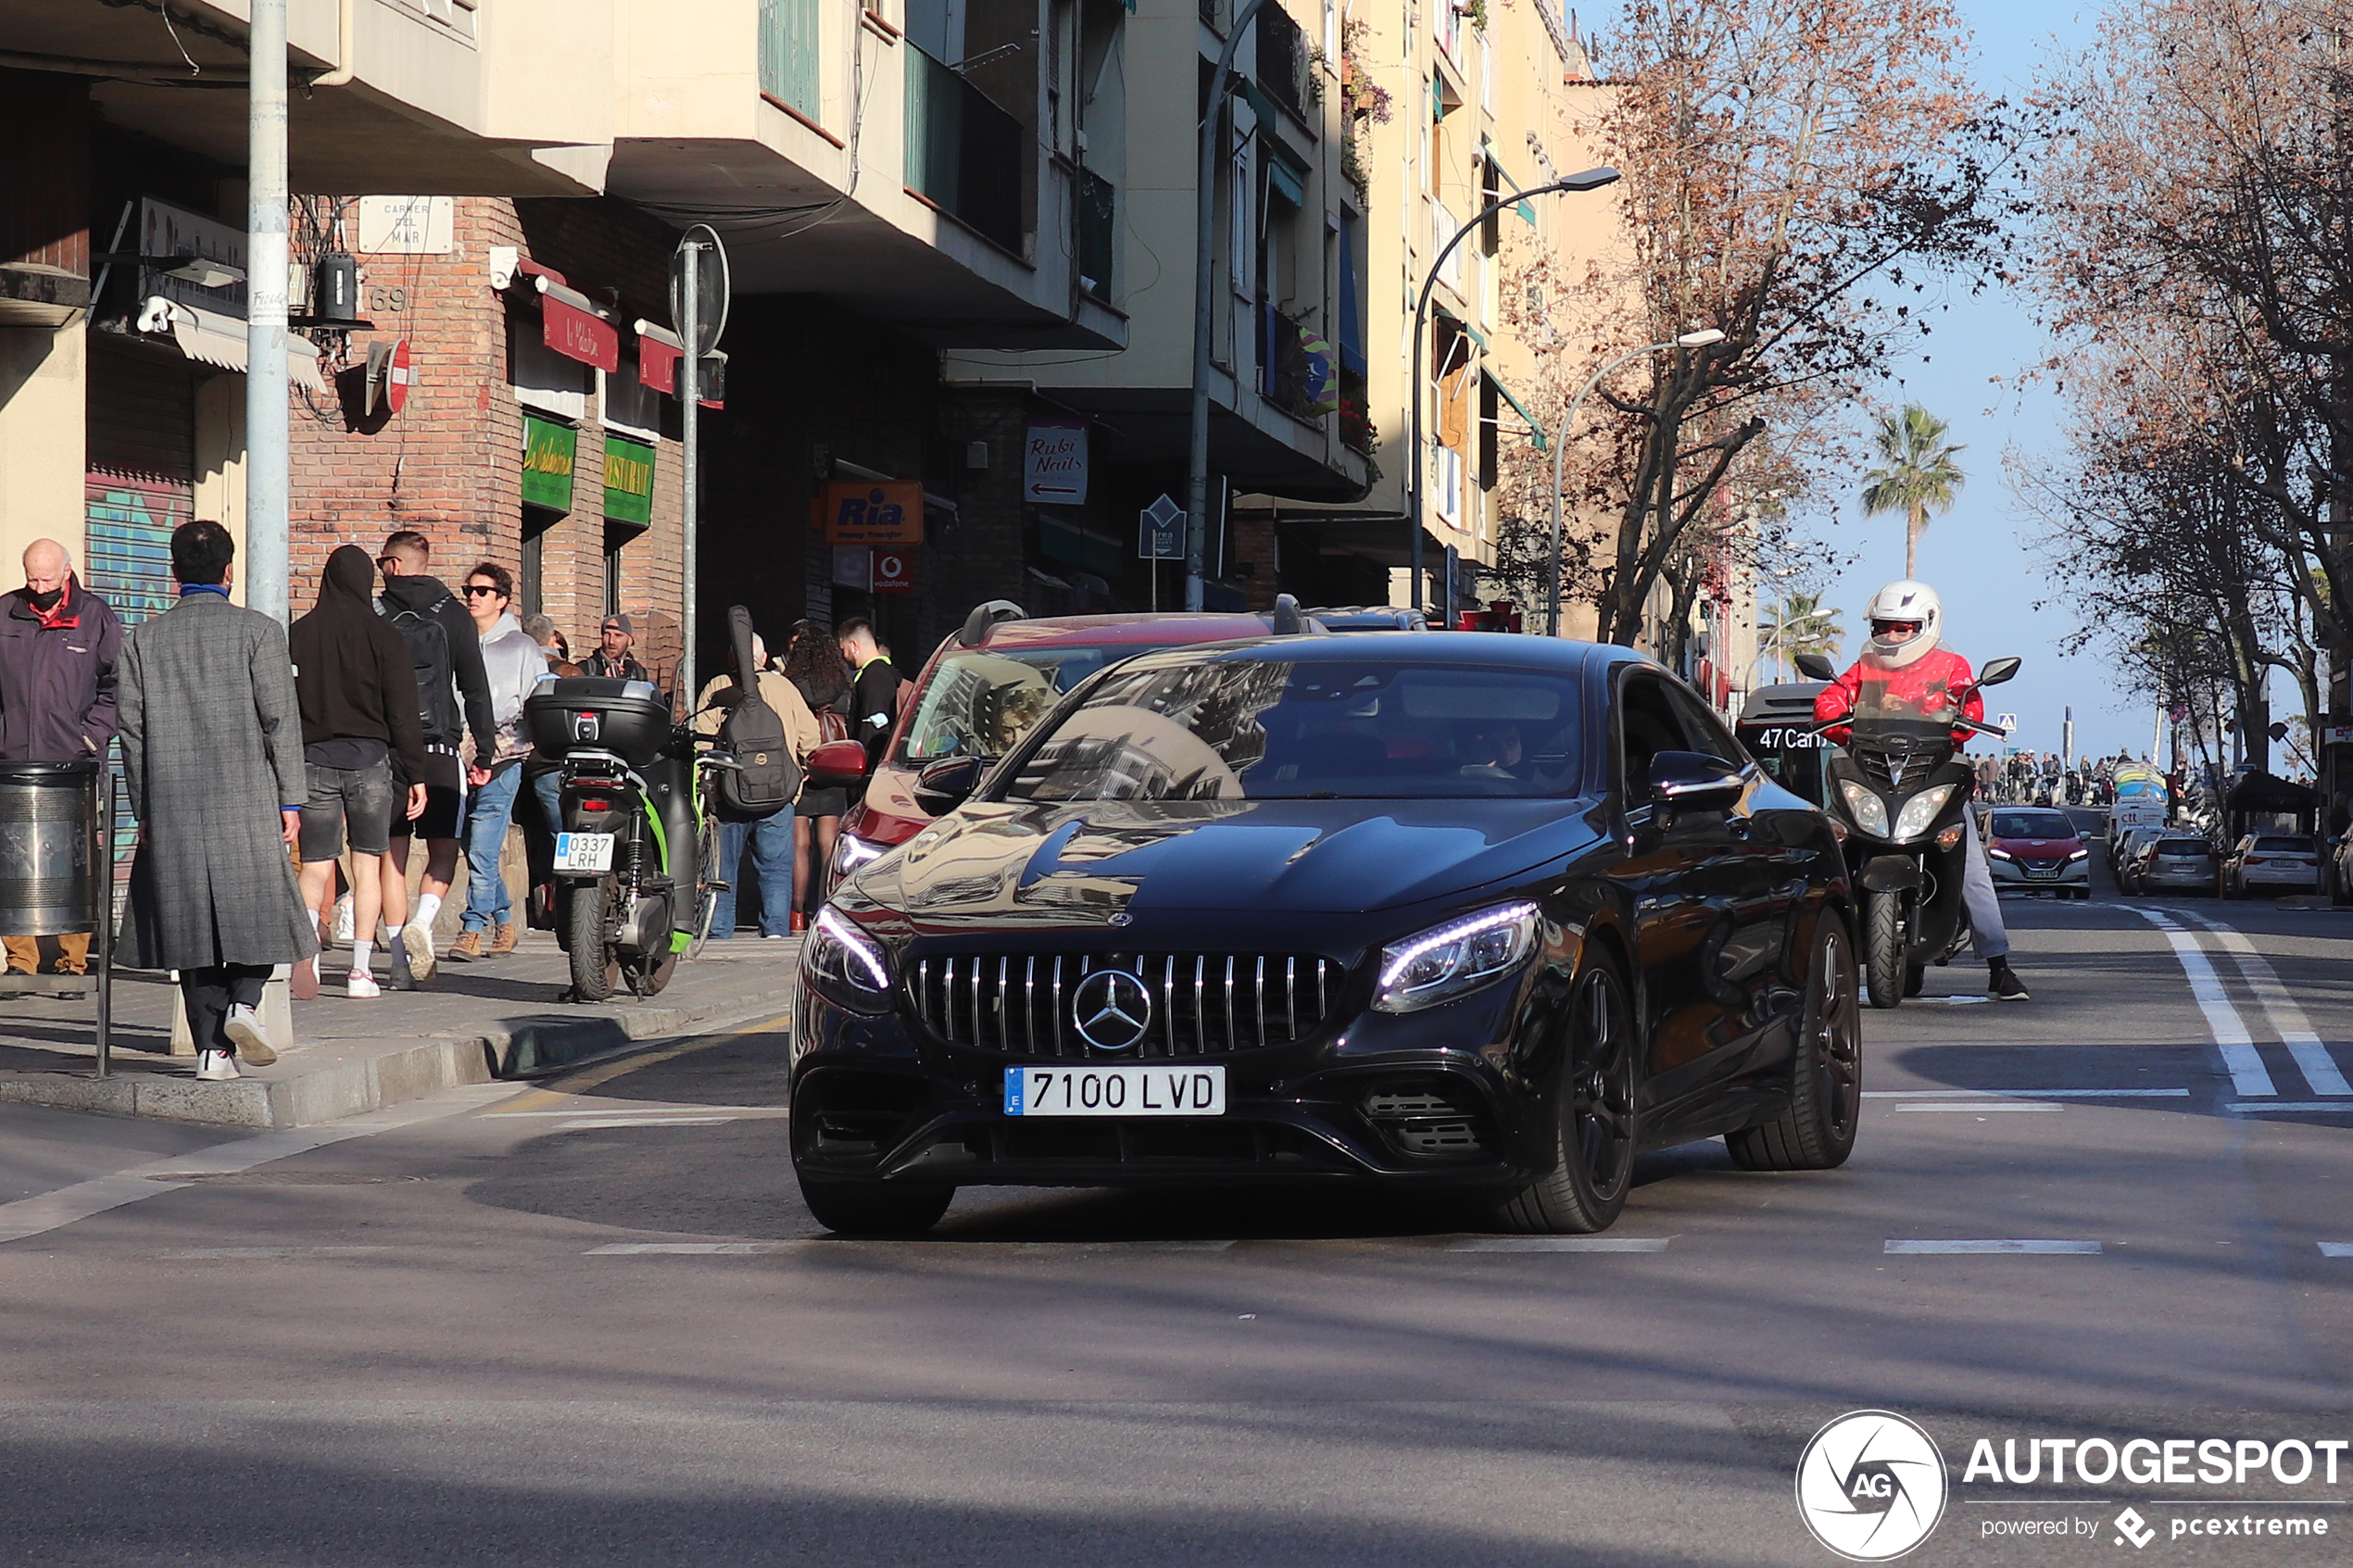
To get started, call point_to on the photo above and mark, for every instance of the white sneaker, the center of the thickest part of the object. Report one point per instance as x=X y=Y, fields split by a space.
x=416 y=940
x=243 y=1025
x=343 y=920
x=361 y=984
x=216 y=1067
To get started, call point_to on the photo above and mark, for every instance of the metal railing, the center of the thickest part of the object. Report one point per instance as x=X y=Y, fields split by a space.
x=964 y=153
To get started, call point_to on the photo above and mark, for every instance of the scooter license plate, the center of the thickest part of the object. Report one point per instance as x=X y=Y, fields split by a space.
x=584 y=851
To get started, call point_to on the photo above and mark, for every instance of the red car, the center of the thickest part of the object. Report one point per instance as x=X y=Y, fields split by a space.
x=987 y=684
x=2036 y=849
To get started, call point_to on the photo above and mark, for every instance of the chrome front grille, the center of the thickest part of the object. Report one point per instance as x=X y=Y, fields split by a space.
x=1204 y=1004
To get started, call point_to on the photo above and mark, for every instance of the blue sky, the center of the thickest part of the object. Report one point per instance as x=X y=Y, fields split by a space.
x=1980 y=556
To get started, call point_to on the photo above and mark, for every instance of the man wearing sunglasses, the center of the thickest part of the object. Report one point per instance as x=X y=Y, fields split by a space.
x=1906 y=626
x=513 y=663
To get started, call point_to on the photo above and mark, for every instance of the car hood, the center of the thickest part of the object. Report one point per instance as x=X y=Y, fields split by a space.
x=2037 y=849
x=1001 y=863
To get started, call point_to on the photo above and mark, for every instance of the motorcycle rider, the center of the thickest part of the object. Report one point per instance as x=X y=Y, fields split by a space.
x=1906 y=624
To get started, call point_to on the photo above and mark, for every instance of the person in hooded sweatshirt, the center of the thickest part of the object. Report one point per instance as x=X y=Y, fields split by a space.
x=362 y=747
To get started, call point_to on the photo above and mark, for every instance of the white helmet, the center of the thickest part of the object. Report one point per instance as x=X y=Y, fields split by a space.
x=1904 y=601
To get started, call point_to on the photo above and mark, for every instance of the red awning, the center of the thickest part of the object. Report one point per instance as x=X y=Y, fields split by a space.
x=659 y=351
x=571 y=324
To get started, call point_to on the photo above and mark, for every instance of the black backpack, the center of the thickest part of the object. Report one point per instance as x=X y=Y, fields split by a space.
x=428 y=642
x=766 y=777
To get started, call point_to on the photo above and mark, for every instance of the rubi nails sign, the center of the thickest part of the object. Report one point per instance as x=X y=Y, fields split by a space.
x=863 y=512
x=629 y=480
x=1053 y=465
x=547 y=452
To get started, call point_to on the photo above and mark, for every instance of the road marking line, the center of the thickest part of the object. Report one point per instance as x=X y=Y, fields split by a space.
x=688 y=1249
x=593 y=1124
x=1981 y=1104
x=1972 y=1248
x=2256 y=1107
x=2028 y=1094
x=2248 y=1075
x=52 y=1211
x=642 y=1111
x=1561 y=1244
x=191 y=1253
x=2294 y=1030
x=2337 y=1249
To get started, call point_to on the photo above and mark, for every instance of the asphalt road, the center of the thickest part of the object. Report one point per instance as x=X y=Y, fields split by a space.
x=591 y=1323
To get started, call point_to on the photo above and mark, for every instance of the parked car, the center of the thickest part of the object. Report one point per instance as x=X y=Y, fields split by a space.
x=1481 y=914
x=2271 y=862
x=2121 y=848
x=2174 y=863
x=988 y=683
x=2034 y=850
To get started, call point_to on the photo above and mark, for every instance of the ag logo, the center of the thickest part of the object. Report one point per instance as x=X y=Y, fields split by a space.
x=1112 y=1009
x=1871 y=1486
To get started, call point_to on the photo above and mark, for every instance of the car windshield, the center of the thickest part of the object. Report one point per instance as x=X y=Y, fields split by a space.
x=1272 y=729
x=2031 y=824
x=980 y=703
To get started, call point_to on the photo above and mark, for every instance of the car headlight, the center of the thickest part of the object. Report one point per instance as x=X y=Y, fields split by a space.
x=1868 y=810
x=1449 y=960
x=2081 y=855
x=852 y=852
x=845 y=964
x=1920 y=810
x=2000 y=855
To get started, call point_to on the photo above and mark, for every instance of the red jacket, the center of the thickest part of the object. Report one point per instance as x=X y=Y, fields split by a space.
x=1926 y=683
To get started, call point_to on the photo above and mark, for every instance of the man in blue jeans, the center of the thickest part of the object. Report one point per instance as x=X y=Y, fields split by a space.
x=770 y=837
x=514 y=664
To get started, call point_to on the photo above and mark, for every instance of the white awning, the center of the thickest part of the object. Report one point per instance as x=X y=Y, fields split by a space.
x=221 y=340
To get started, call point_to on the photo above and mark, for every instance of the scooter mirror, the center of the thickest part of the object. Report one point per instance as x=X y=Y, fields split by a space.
x=1814 y=667
x=1998 y=670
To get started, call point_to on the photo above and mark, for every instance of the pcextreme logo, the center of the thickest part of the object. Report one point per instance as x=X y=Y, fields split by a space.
x=1871 y=1485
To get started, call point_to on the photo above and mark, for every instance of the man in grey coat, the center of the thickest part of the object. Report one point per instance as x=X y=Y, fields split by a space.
x=212 y=753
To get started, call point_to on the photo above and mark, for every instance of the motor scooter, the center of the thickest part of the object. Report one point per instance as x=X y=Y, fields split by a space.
x=1898 y=790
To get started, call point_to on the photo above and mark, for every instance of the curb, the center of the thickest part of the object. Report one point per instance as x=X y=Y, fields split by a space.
x=335 y=1083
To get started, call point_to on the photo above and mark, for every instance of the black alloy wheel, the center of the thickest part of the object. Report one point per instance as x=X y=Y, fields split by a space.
x=875 y=1207
x=1592 y=1168
x=1817 y=1131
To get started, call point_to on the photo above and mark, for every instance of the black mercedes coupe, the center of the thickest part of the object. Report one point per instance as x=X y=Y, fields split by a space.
x=1485 y=913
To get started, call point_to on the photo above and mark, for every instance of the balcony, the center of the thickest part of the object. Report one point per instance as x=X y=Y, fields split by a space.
x=965 y=155
x=1295 y=368
x=1282 y=59
x=788 y=55
x=1098 y=233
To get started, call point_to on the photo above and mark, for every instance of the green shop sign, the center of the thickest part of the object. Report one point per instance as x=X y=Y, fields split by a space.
x=629 y=480
x=547 y=449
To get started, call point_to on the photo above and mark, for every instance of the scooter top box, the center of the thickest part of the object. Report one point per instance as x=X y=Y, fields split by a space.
x=582 y=712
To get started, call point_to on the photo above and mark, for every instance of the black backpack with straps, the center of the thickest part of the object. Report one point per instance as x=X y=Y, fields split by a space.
x=766 y=777
x=428 y=642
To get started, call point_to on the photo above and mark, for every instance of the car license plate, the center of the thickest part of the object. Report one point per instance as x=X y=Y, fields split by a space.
x=1114 y=1091
x=584 y=851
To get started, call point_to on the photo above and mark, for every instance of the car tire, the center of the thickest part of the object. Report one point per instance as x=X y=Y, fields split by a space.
x=1817 y=1131
x=1883 y=947
x=1589 y=1165
x=875 y=1207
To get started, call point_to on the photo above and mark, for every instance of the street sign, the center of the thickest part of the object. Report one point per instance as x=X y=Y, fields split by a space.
x=388 y=375
x=894 y=572
x=712 y=284
x=1160 y=531
x=2006 y=723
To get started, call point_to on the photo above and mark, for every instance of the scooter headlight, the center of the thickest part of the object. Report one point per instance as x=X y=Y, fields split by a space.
x=1868 y=810
x=1920 y=811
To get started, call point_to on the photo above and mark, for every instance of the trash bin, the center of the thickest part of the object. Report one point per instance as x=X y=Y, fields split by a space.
x=55 y=876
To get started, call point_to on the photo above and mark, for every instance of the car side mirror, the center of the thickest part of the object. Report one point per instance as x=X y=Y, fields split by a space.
x=837 y=764
x=1996 y=671
x=1814 y=667
x=1693 y=778
x=948 y=784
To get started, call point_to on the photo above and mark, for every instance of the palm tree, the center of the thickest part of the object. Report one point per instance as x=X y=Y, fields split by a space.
x=1921 y=476
x=1800 y=624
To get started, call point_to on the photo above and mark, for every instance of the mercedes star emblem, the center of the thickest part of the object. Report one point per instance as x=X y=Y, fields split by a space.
x=1112 y=1009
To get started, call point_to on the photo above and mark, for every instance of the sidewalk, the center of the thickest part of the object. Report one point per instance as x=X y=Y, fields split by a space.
x=496 y=1018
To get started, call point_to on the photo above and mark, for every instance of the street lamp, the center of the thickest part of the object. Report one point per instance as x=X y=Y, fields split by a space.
x=1591 y=179
x=1700 y=339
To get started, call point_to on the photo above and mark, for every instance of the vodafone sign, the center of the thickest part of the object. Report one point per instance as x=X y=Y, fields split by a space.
x=894 y=572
